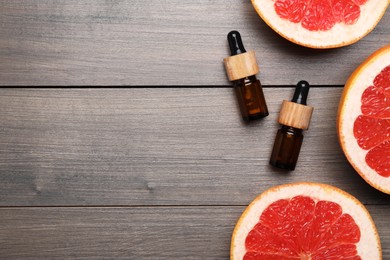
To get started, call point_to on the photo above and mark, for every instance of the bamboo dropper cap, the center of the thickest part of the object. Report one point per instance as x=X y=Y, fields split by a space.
x=241 y=64
x=296 y=113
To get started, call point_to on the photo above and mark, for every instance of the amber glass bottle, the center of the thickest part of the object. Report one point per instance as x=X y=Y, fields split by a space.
x=294 y=117
x=287 y=146
x=250 y=98
x=242 y=68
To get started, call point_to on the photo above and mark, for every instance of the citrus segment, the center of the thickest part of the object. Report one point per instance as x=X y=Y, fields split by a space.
x=318 y=17
x=379 y=159
x=375 y=103
x=376 y=98
x=382 y=81
x=305 y=221
x=294 y=11
x=321 y=23
x=371 y=131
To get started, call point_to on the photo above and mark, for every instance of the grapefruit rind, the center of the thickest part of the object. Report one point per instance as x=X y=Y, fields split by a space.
x=368 y=247
x=340 y=35
x=350 y=109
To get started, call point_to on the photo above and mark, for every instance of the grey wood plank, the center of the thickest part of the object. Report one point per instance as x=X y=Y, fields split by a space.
x=130 y=233
x=117 y=233
x=154 y=42
x=157 y=146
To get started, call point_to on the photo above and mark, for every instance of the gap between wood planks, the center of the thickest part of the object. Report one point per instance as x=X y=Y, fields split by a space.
x=167 y=86
x=146 y=206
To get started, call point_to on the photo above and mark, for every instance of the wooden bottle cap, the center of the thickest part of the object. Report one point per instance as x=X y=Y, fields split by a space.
x=295 y=115
x=241 y=65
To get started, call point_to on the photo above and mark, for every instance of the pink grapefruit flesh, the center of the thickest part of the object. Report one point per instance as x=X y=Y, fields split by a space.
x=321 y=24
x=372 y=128
x=305 y=221
x=304 y=228
x=319 y=15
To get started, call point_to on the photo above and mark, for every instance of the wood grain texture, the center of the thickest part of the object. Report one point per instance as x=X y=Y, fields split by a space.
x=157 y=146
x=154 y=42
x=130 y=233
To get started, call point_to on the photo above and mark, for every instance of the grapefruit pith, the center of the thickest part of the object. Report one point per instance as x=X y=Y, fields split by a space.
x=305 y=221
x=321 y=23
x=363 y=122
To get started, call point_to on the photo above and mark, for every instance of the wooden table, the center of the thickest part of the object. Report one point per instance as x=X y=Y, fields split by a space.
x=155 y=163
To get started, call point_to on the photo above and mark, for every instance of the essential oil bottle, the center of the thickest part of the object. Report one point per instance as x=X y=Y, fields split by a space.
x=294 y=117
x=241 y=69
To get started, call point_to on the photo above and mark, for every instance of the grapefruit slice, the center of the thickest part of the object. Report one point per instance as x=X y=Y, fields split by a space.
x=363 y=122
x=307 y=221
x=321 y=23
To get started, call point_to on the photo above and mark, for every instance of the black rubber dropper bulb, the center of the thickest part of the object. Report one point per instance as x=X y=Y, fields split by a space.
x=241 y=68
x=235 y=43
x=294 y=117
x=301 y=92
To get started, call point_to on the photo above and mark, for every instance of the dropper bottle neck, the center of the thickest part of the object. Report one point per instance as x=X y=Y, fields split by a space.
x=235 y=43
x=296 y=113
x=301 y=92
